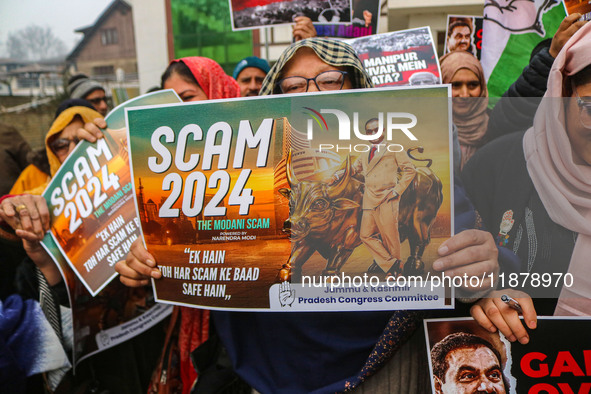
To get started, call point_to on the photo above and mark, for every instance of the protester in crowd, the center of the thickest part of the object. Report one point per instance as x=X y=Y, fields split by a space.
x=250 y=73
x=39 y=278
x=516 y=109
x=320 y=352
x=470 y=100
x=197 y=79
x=37 y=175
x=534 y=188
x=27 y=214
x=193 y=79
x=80 y=86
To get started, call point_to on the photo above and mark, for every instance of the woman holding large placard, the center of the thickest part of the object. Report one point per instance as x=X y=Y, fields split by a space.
x=535 y=189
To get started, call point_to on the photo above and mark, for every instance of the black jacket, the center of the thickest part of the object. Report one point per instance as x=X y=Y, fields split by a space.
x=498 y=183
x=13 y=156
x=516 y=109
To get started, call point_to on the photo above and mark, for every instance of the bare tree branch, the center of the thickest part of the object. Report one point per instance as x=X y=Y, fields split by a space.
x=35 y=43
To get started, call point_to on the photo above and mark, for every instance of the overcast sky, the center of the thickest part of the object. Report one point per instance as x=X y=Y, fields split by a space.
x=63 y=16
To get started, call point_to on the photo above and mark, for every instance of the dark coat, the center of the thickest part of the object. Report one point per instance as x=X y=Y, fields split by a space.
x=13 y=156
x=516 y=109
x=497 y=182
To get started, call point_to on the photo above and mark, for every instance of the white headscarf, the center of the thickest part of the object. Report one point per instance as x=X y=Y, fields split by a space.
x=564 y=185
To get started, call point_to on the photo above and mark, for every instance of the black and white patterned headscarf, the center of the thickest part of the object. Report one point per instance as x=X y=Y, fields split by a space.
x=333 y=52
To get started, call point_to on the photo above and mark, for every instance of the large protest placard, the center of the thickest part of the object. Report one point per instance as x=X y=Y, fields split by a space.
x=405 y=57
x=464 y=357
x=111 y=313
x=93 y=217
x=215 y=180
x=366 y=19
x=116 y=314
x=253 y=14
x=464 y=33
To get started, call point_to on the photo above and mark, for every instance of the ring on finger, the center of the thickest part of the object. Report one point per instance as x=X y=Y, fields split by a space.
x=19 y=208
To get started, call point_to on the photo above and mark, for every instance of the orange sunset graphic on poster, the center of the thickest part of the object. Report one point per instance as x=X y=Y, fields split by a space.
x=88 y=228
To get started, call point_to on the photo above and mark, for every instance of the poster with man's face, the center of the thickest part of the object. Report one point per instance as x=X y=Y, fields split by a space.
x=464 y=33
x=466 y=358
x=398 y=58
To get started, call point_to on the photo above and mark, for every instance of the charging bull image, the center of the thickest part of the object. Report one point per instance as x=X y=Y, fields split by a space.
x=326 y=216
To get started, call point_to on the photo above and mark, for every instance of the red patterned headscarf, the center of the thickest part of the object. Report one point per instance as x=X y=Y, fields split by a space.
x=211 y=77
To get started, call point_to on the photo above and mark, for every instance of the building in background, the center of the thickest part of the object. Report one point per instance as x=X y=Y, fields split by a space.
x=38 y=78
x=107 y=52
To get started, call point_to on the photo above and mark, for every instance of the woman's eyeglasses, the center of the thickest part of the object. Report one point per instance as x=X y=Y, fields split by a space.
x=97 y=101
x=327 y=80
x=61 y=145
x=584 y=104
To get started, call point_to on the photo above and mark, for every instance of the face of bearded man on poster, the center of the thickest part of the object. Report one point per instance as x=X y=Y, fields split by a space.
x=471 y=371
x=459 y=39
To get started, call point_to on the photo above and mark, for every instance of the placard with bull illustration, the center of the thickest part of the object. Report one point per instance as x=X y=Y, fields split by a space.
x=315 y=202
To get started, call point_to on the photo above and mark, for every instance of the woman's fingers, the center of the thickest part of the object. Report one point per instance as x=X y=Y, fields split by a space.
x=138 y=267
x=492 y=313
x=91 y=130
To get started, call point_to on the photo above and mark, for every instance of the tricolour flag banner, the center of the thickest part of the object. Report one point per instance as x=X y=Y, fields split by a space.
x=510 y=31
